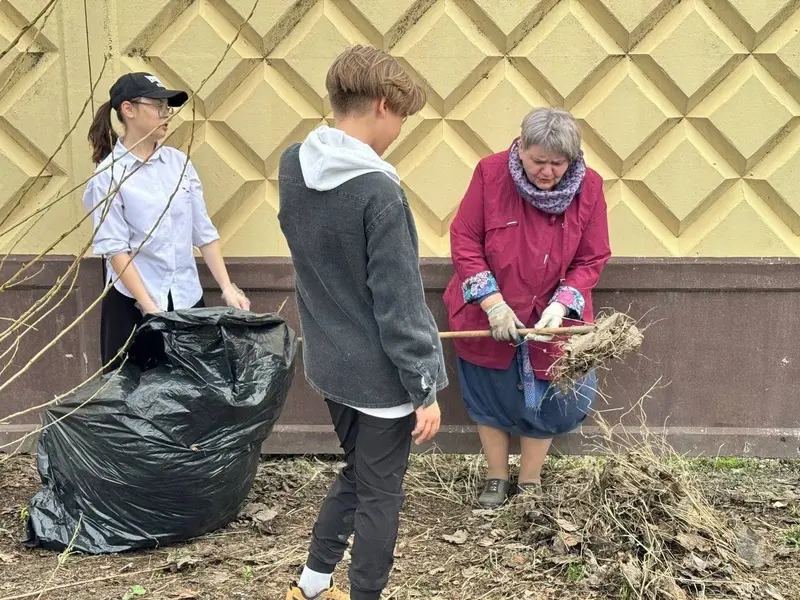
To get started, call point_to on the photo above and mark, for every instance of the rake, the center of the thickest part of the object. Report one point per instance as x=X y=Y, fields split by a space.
x=577 y=330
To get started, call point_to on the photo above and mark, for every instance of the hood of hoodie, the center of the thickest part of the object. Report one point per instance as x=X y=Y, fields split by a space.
x=329 y=157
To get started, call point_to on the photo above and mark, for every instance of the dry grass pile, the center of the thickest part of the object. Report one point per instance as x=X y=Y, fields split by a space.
x=615 y=337
x=640 y=527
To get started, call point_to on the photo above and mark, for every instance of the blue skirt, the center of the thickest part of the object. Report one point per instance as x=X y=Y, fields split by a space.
x=495 y=398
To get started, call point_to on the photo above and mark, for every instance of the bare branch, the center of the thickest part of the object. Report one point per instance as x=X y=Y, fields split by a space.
x=47 y=164
x=50 y=301
x=75 y=584
x=28 y=27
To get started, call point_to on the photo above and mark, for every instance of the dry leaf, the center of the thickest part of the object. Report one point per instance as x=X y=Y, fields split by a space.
x=752 y=547
x=599 y=577
x=218 y=578
x=570 y=541
x=692 y=541
x=183 y=594
x=265 y=516
x=184 y=562
x=564 y=541
x=559 y=547
x=567 y=526
x=486 y=543
x=252 y=508
x=261 y=516
x=773 y=593
x=672 y=591
x=459 y=537
x=632 y=573
x=564 y=560
x=695 y=562
x=516 y=546
x=516 y=561
x=7 y=558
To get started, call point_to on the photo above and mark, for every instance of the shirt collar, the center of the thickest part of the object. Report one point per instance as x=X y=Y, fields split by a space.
x=122 y=156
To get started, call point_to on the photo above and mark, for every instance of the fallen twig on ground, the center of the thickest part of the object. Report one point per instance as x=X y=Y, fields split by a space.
x=84 y=582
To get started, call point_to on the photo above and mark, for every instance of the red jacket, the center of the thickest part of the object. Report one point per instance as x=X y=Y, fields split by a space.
x=530 y=253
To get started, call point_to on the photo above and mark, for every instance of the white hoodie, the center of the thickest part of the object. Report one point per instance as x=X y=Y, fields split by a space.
x=328 y=158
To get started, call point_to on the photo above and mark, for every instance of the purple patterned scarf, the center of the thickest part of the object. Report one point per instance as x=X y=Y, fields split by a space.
x=556 y=200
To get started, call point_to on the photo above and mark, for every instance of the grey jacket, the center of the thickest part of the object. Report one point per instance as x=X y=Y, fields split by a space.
x=369 y=339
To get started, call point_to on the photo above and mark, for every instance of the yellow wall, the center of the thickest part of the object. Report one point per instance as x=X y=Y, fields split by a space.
x=689 y=108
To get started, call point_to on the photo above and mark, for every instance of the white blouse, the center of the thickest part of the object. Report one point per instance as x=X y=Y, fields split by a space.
x=138 y=209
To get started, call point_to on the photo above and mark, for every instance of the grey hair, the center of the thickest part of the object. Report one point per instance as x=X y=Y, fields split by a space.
x=553 y=129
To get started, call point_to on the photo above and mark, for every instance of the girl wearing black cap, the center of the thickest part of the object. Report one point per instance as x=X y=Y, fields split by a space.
x=148 y=215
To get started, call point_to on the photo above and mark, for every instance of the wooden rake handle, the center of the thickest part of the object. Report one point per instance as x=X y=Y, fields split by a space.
x=577 y=330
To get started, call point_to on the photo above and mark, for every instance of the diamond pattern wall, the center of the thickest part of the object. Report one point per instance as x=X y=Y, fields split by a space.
x=689 y=108
x=34 y=108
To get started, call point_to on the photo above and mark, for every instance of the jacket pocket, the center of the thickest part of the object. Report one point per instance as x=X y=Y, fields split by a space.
x=500 y=238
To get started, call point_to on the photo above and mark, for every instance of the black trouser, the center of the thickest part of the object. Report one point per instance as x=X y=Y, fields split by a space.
x=365 y=499
x=118 y=318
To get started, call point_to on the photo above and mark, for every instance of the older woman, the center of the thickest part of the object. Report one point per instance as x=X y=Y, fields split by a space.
x=529 y=242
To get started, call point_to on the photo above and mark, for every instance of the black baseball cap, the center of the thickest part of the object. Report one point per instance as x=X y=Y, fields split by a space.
x=144 y=85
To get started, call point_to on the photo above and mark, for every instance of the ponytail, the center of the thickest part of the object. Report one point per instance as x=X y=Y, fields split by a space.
x=102 y=136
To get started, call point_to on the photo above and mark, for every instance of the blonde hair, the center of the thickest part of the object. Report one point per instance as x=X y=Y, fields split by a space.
x=362 y=74
x=554 y=129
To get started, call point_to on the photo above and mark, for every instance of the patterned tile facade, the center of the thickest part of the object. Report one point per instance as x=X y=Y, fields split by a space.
x=689 y=108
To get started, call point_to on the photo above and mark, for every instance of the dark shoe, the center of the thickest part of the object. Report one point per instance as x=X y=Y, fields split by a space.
x=494 y=493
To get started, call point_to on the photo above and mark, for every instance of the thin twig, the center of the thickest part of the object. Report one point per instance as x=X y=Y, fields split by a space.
x=62 y=558
x=88 y=215
x=91 y=307
x=41 y=428
x=84 y=582
x=192 y=96
x=50 y=159
x=27 y=28
x=60 y=397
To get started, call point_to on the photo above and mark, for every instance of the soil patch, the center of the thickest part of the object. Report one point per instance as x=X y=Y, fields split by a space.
x=448 y=550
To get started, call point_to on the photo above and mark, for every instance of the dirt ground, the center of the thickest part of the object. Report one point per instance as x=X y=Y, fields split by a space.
x=448 y=550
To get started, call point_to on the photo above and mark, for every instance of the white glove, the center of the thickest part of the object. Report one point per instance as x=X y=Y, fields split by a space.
x=504 y=322
x=552 y=316
x=235 y=298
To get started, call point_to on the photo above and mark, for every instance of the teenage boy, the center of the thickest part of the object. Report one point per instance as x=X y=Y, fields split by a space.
x=370 y=344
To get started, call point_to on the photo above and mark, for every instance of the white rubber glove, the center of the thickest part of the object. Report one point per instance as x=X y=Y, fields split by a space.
x=235 y=298
x=552 y=316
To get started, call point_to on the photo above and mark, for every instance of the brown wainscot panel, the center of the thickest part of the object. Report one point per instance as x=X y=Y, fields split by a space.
x=719 y=363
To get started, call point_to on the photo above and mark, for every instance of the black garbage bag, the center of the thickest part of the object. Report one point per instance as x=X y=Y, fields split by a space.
x=139 y=459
